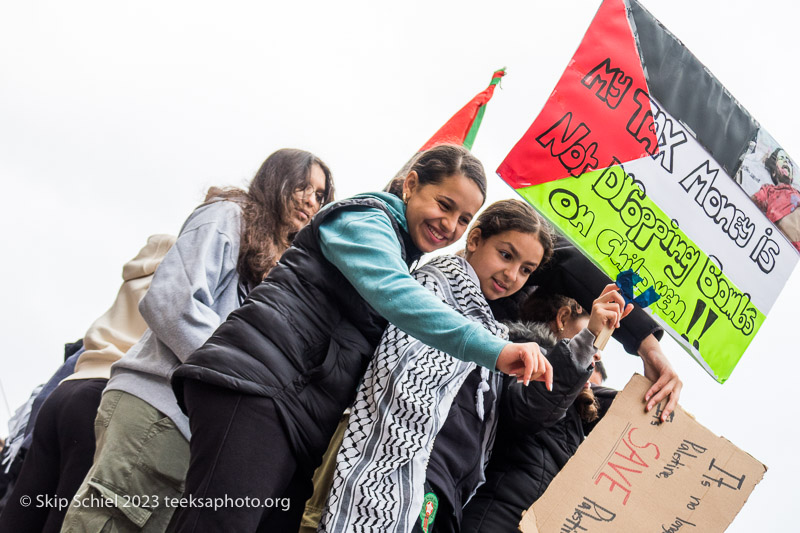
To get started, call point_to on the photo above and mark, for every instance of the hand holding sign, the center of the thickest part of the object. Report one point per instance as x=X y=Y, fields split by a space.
x=635 y=474
x=667 y=384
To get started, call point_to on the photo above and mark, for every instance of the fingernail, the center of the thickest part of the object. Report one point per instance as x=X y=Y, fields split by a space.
x=527 y=381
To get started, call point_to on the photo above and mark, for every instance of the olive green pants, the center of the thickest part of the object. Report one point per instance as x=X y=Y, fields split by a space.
x=139 y=468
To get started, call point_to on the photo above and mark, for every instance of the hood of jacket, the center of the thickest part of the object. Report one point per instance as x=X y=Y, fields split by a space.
x=148 y=258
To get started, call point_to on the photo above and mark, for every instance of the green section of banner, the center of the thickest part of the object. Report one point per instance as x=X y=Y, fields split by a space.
x=606 y=215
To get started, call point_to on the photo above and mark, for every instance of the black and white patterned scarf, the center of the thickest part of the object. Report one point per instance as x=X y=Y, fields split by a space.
x=403 y=402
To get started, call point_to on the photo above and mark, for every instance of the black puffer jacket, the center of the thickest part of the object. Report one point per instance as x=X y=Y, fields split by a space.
x=523 y=465
x=305 y=324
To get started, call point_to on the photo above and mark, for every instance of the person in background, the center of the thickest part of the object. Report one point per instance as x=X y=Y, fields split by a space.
x=572 y=274
x=62 y=443
x=224 y=249
x=538 y=432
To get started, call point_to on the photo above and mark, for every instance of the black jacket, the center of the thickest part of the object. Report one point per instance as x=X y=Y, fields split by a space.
x=303 y=325
x=456 y=464
x=523 y=465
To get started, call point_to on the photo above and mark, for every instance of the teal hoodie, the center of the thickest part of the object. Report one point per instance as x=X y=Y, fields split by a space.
x=362 y=244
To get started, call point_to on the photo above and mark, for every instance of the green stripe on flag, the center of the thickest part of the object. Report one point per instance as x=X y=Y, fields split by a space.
x=469 y=140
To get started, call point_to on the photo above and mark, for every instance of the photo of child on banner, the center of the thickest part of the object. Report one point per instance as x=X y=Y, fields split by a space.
x=769 y=176
x=646 y=162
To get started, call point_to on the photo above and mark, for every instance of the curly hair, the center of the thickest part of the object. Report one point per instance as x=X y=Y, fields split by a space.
x=587 y=405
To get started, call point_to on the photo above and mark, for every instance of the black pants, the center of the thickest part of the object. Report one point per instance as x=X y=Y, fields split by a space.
x=239 y=450
x=61 y=454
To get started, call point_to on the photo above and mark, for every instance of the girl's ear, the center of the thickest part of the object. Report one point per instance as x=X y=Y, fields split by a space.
x=473 y=239
x=410 y=185
x=562 y=315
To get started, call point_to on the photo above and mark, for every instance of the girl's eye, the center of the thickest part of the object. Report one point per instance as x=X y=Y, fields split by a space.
x=505 y=255
x=527 y=271
x=444 y=206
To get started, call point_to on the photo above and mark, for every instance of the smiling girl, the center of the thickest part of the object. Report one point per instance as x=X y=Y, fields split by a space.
x=409 y=386
x=265 y=393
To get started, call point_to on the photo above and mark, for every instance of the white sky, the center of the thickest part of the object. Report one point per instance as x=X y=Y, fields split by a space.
x=115 y=117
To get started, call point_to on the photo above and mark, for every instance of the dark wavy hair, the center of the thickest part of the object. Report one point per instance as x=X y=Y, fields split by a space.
x=587 y=405
x=542 y=306
x=267 y=207
x=437 y=163
x=515 y=215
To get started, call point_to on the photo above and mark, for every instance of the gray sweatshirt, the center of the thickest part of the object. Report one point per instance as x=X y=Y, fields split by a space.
x=192 y=292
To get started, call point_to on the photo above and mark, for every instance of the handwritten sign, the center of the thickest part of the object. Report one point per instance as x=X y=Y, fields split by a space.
x=658 y=173
x=633 y=475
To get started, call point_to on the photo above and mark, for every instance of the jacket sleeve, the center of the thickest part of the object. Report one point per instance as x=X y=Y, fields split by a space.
x=202 y=262
x=121 y=326
x=533 y=408
x=363 y=245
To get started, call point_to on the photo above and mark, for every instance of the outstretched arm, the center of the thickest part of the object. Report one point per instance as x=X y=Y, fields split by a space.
x=363 y=245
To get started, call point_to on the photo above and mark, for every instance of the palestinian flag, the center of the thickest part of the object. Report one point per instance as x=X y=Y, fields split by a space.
x=646 y=162
x=463 y=126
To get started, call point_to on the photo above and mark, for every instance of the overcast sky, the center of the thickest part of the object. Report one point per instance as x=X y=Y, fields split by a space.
x=115 y=117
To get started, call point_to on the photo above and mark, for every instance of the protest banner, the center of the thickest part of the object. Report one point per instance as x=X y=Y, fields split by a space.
x=646 y=162
x=634 y=473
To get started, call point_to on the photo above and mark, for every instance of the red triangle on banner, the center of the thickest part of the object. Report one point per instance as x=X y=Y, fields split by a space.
x=463 y=126
x=600 y=109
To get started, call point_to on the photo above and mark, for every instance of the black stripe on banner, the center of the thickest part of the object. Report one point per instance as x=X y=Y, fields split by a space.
x=691 y=94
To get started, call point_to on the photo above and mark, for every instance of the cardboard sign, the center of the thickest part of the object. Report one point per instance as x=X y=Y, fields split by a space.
x=635 y=474
x=645 y=162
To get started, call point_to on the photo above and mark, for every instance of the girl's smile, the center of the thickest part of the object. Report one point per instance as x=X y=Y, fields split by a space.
x=503 y=262
x=439 y=213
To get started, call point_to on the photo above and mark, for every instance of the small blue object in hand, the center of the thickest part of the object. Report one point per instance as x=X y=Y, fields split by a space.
x=626 y=280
